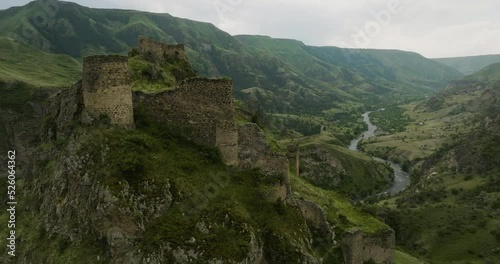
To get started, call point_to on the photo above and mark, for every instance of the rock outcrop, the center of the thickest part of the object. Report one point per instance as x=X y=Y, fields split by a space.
x=254 y=152
x=319 y=166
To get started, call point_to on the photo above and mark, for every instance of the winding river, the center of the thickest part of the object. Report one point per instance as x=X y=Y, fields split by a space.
x=401 y=178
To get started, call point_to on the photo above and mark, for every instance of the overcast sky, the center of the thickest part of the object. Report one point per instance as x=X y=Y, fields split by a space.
x=444 y=28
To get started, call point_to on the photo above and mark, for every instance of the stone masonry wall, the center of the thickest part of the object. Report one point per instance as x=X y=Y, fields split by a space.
x=254 y=152
x=107 y=88
x=294 y=157
x=155 y=51
x=359 y=247
x=315 y=215
x=203 y=106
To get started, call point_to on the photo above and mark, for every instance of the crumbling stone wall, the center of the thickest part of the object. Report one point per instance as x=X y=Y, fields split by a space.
x=107 y=88
x=294 y=157
x=255 y=152
x=203 y=106
x=358 y=247
x=155 y=51
x=314 y=215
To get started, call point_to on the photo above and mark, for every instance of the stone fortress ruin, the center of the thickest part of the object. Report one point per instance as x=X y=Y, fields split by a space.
x=204 y=107
x=155 y=51
x=107 y=89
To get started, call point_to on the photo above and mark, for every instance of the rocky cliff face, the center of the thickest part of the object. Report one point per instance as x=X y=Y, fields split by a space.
x=319 y=165
x=80 y=208
x=214 y=193
x=20 y=121
x=332 y=168
x=85 y=198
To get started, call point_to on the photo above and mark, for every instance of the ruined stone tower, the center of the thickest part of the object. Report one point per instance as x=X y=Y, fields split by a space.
x=107 y=88
x=358 y=247
x=158 y=52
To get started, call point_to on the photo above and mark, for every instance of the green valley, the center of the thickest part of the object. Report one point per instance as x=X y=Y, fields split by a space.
x=452 y=147
x=142 y=137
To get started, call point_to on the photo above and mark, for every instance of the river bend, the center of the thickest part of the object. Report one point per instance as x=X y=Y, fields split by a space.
x=401 y=178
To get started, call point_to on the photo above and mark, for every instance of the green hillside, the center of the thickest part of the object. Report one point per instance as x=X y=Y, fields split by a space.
x=471 y=64
x=20 y=62
x=409 y=69
x=165 y=182
x=439 y=125
x=450 y=213
x=365 y=71
x=303 y=78
x=488 y=74
x=278 y=79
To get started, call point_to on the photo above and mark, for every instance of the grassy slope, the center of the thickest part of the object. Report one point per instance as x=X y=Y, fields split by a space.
x=407 y=68
x=24 y=63
x=426 y=133
x=470 y=65
x=411 y=71
x=490 y=73
x=15 y=96
x=155 y=153
x=298 y=79
x=405 y=258
x=79 y=31
x=448 y=115
x=450 y=215
x=363 y=176
x=335 y=206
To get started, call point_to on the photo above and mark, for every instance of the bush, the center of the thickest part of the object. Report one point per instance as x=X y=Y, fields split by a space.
x=127 y=152
x=280 y=207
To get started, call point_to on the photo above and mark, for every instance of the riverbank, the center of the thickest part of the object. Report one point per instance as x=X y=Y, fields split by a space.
x=401 y=178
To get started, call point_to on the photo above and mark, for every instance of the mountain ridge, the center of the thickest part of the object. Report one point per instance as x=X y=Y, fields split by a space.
x=125 y=22
x=279 y=79
x=469 y=64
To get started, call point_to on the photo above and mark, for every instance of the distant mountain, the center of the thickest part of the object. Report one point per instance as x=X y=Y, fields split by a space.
x=299 y=78
x=386 y=67
x=476 y=97
x=476 y=92
x=489 y=74
x=470 y=65
x=21 y=62
x=288 y=84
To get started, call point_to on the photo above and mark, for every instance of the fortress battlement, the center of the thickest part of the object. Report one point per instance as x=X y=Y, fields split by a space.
x=203 y=90
x=155 y=51
x=203 y=105
x=98 y=59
